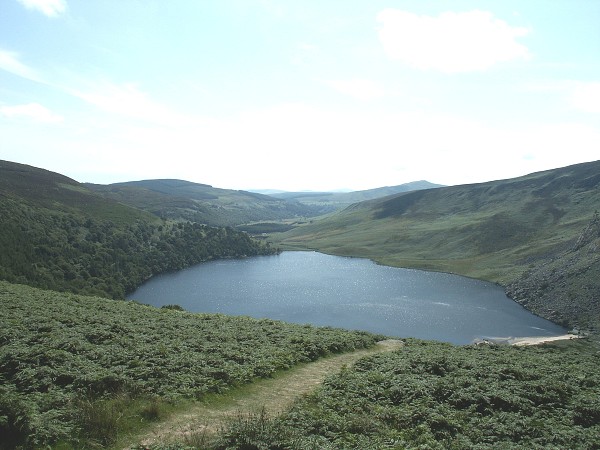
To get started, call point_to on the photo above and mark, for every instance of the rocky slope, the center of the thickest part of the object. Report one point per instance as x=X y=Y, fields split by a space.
x=565 y=288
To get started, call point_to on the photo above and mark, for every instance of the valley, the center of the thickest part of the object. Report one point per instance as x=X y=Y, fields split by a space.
x=81 y=368
x=538 y=235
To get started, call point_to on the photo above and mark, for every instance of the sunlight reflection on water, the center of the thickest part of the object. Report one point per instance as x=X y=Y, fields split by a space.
x=310 y=287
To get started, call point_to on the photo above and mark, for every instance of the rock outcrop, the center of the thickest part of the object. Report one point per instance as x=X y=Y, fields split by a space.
x=566 y=288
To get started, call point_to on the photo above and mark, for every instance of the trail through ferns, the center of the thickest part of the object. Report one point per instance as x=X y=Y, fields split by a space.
x=272 y=396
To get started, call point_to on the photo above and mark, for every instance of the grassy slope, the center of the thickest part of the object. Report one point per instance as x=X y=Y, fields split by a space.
x=44 y=189
x=436 y=396
x=493 y=231
x=480 y=230
x=336 y=200
x=272 y=395
x=71 y=364
x=55 y=233
x=202 y=203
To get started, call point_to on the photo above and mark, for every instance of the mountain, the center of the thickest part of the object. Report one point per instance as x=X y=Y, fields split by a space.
x=565 y=285
x=42 y=188
x=57 y=234
x=178 y=199
x=338 y=200
x=495 y=231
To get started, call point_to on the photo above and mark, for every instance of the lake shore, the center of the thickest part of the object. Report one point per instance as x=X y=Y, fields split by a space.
x=527 y=340
x=537 y=340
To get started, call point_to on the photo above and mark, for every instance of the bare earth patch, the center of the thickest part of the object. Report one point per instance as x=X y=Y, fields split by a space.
x=536 y=340
x=274 y=395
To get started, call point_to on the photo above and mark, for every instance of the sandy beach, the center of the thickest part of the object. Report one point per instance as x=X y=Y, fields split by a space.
x=526 y=340
x=536 y=340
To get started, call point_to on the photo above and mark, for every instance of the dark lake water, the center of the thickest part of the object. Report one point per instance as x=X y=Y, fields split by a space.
x=353 y=293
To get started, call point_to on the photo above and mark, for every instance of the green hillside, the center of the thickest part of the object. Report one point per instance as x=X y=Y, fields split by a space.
x=331 y=201
x=495 y=231
x=178 y=199
x=57 y=234
x=82 y=372
x=86 y=370
x=40 y=188
x=431 y=395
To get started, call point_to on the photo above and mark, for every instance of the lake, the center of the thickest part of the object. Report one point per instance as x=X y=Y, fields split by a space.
x=353 y=293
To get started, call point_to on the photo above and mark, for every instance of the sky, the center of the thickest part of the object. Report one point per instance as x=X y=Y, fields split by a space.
x=299 y=95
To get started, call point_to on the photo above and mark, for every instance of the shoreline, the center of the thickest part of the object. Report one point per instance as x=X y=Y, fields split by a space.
x=537 y=340
x=528 y=340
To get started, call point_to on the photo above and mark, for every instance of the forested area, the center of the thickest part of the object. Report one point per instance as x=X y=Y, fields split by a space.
x=67 y=251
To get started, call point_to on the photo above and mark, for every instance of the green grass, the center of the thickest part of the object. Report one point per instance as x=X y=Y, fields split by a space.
x=437 y=396
x=183 y=200
x=494 y=231
x=493 y=225
x=84 y=369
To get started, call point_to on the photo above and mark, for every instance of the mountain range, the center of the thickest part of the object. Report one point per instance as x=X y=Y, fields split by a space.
x=81 y=371
x=179 y=199
x=537 y=235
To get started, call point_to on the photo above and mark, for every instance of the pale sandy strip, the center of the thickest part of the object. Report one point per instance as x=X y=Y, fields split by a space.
x=536 y=340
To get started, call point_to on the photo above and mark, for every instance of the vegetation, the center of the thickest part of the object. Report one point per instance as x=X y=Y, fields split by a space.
x=183 y=200
x=83 y=370
x=495 y=231
x=331 y=201
x=565 y=288
x=80 y=371
x=435 y=396
x=265 y=227
x=56 y=234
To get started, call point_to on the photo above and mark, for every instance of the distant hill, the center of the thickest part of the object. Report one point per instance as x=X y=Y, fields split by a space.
x=57 y=234
x=178 y=199
x=496 y=231
x=338 y=200
x=42 y=188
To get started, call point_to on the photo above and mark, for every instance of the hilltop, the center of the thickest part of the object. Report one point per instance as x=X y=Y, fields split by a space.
x=40 y=188
x=179 y=199
x=82 y=371
x=252 y=211
x=498 y=231
x=331 y=201
x=55 y=233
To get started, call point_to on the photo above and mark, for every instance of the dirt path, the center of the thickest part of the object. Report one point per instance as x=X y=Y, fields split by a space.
x=274 y=395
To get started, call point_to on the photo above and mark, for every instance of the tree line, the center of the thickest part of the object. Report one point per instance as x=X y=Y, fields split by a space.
x=67 y=251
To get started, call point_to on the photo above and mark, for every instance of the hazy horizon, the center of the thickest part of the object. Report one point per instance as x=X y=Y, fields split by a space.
x=319 y=96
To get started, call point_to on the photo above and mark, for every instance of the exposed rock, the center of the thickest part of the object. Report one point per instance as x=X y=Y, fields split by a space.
x=566 y=288
x=590 y=236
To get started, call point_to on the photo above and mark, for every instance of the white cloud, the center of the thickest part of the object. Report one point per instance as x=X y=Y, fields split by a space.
x=9 y=61
x=452 y=42
x=129 y=101
x=358 y=88
x=298 y=146
x=580 y=95
x=32 y=111
x=50 y=8
x=586 y=97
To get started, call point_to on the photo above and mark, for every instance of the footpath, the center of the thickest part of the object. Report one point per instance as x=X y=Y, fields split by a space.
x=272 y=395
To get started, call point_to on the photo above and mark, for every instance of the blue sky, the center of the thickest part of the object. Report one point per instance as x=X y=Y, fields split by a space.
x=299 y=95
